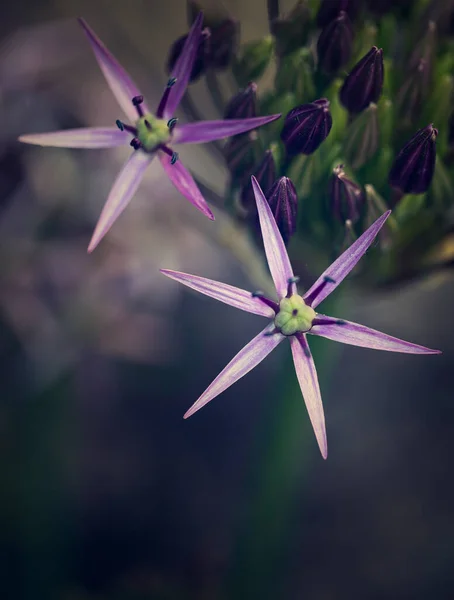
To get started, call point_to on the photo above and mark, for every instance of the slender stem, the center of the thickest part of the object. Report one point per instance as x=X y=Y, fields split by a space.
x=273 y=12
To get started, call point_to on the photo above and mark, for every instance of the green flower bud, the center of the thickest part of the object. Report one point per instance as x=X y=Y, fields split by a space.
x=253 y=60
x=295 y=73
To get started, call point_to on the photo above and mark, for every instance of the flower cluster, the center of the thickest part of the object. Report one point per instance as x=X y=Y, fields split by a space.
x=344 y=153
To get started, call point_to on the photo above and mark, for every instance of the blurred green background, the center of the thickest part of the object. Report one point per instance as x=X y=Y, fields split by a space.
x=106 y=492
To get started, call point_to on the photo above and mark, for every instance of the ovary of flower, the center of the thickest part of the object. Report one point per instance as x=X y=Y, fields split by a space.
x=293 y=316
x=150 y=133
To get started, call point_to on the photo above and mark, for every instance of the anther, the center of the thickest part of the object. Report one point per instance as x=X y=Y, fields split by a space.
x=120 y=125
x=324 y=321
x=171 y=82
x=291 y=289
x=174 y=158
x=261 y=296
x=309 y=299
x=171 y=123
x=137 y=101
x=135 y=143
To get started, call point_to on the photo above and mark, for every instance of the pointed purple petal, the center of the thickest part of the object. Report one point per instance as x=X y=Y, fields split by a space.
x=341 y=267
x=122 y=86
x=359 y=335
x=246 y=359
x=90 y=137
x=185 y=184
x=206 y=131
x=276 y=253
x=222 y=292
x=308 y=380
x=123 y=189
x=182 y=71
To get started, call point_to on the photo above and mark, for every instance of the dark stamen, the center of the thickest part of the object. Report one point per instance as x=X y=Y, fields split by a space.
x=174 y=158
x=322 y=321
x=272 y=332
x=171 y=123
x=291 y=289
x=136 y=143
x=137 y=101
x=120 y=125
x=309 y=299
x=165 y=97
x=261 y=296
x=123 y=127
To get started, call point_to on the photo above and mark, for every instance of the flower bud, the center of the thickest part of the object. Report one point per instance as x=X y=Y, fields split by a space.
x=334 y=45
x=362 y=138
x=265 y=174
x=244 y=104
x=283 y=202
x=200 y=62
x=223 y=44
x=254 y=59
x=291 y=31
x=413 y=168
x=306 y=127
x=364 y=83
x=330 y=9
x=240 y=154
x=346 y=196
x=295 y=73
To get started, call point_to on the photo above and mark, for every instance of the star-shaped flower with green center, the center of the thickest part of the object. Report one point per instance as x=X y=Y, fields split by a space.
x=152 y=133
x=293 y=317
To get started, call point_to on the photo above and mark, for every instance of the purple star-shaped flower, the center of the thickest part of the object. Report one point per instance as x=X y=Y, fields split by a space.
x=293 y=316
x=151 y=133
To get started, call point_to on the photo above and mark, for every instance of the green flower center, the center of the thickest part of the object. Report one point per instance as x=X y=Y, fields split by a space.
x=294 y=315
x=152 y=131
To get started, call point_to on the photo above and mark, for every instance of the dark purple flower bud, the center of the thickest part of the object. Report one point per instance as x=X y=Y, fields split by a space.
x=451 y=131
x=413 y=168
x=240 y=154
x=334 y=45
x=330 y=9
x=283 y=202
x=200 y=62
x=244 y=104
x=306 y=127
x=364 y=83
x=223 y=44
x=265 y=174
x=347 y=197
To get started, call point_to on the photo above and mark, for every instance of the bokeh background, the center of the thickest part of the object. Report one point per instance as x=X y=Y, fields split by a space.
x=106 y=492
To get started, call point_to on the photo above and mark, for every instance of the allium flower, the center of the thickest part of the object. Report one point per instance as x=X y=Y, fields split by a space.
x=151 y=133
x=293 y=316
x=413 y=168
x=306 y=127
x=364 y=83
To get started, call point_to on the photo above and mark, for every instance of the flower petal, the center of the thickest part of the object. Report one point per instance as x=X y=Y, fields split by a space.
x=89 y=137
x=359 y=335
x=123 y=189
x=182 y=70
x=308 y=380
x=276 y=253
x=207 y=131
x=338 y=271
x=121 y=84
x=185 y=184
x=246 y=359
x=222 y=292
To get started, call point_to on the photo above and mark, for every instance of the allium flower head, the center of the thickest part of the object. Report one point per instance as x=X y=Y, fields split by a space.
x=413 y=168
x=293 y=316
x=306 y=127
x=330 y=9
x=364 y=83
x=334 y=45
x=151 y=133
